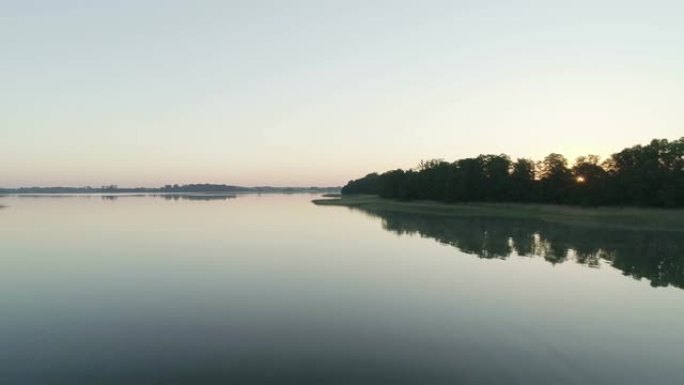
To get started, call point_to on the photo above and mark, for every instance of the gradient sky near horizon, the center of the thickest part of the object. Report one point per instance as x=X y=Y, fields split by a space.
x=144 y=93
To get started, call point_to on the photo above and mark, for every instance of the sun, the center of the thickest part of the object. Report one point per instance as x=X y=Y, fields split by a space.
x=580 y=179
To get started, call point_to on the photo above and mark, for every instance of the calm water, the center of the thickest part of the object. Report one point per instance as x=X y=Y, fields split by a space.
x=275 y=290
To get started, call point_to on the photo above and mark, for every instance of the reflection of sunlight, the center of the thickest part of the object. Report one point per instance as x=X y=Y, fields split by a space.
x=580 y=179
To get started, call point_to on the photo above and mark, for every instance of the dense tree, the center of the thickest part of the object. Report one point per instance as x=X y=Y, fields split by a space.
x=591 y=182
x=522 y=179
x=650 y=175
x=365 y=185
x=555 y=178
x=497 y=170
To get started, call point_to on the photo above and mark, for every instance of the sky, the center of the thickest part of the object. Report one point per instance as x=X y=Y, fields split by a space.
x=302 y=93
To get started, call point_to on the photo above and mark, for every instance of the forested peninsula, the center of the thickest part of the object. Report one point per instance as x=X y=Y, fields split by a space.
x=649 y=175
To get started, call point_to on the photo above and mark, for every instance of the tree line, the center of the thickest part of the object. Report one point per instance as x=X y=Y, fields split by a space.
x=641 y=175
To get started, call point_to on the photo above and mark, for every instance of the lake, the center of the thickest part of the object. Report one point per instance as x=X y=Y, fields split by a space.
x=273 y=289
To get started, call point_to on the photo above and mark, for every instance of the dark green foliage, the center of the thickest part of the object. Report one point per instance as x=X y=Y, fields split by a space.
x=591 y=182
x=555 y=178
x=523 y=185
x=366 y=185
x=650 y=175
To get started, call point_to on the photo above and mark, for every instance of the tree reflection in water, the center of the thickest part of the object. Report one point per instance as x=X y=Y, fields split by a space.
x=657 y=256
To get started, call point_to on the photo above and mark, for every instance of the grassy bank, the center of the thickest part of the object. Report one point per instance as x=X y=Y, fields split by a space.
x=613 y=217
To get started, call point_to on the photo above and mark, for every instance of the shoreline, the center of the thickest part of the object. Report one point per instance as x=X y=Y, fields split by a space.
x=625 y=218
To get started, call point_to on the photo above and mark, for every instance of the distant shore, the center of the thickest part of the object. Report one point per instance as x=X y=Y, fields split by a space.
x=605 y=217
x=205 y=188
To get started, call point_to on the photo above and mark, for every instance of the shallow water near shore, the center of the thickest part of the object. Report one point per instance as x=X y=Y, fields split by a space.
x=272 y=289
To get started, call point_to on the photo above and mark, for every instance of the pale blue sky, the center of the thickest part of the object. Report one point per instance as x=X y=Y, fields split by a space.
x=318 y=92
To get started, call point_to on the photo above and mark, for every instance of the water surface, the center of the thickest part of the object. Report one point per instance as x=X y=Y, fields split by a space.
x=275 y=290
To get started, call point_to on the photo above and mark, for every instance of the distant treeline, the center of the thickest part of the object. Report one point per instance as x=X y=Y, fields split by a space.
x=650 y=175
x=186 y=188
